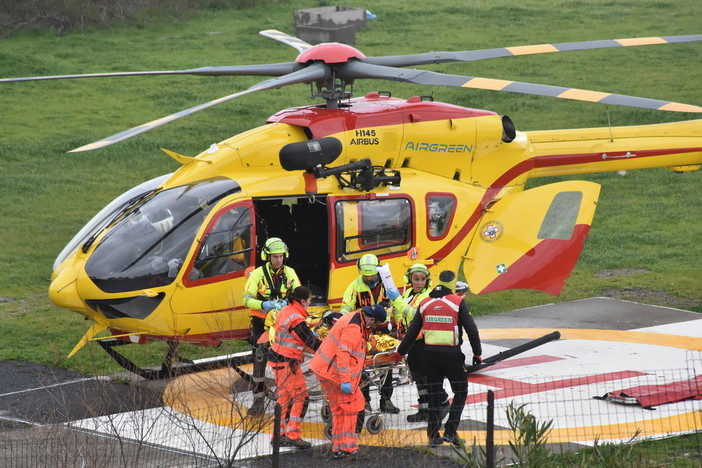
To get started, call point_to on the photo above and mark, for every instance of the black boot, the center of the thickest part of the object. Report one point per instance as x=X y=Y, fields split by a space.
x=386 y=406
x=258 y=407
x=419 y=416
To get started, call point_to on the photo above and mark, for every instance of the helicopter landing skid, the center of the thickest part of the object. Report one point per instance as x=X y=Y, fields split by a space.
x=170 y=369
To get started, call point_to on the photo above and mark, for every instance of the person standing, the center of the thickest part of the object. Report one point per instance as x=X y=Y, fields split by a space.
x=264 y=291
x=338 y=364
x=292 y=336
x=368 y=289
x=441 y=318
x=418 y=286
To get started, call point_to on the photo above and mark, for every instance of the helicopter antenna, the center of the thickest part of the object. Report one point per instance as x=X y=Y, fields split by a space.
x=609 y=125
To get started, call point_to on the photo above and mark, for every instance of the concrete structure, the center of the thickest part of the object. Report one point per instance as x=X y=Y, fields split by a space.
x=329 y=24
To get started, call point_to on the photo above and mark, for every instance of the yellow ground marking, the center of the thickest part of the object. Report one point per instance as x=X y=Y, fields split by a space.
x=533 y=49
x=622 y=336
x=487 y=83
x=207 y=396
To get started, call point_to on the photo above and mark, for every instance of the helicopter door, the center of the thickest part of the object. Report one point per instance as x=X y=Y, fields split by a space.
x=532 y=239
x=214 y=274
x=302 y=223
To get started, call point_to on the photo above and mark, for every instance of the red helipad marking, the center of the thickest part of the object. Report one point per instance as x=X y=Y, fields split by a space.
x=510 y=388
x=527 y=361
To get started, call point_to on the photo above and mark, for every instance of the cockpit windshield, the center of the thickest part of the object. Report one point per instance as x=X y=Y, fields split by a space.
x=147 y=248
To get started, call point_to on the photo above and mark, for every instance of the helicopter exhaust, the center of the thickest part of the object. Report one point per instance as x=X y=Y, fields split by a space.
x=509 y=132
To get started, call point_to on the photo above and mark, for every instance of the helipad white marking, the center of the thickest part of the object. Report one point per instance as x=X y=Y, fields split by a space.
x=209 y=422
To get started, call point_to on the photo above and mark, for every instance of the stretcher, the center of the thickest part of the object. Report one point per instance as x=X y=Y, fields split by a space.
x=378 y=366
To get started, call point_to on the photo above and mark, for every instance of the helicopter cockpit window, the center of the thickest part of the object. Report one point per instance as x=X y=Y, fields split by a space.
x=146 y=249
x=440 y=210
x=376 y=226
x=226 y=248
x=561 y=216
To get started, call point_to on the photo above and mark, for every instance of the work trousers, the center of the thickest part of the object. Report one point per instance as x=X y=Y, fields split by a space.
x=260 y=356
x=414 y=362
x=386 y=388
x=346 y=411
x=440 y=365
x=292 y=397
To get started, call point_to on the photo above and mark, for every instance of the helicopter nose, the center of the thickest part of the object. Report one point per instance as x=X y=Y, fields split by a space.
x=63 y=291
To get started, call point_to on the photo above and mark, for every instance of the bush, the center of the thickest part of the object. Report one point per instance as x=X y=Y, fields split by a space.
x=66 y=15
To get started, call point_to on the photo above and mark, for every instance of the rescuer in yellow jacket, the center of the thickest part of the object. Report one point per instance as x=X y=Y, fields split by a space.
x=264 y=293
x=442 y=317
x=367 y=290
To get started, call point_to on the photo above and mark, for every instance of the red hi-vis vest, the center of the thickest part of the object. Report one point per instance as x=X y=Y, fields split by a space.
x=287 y=343
x=440 y=320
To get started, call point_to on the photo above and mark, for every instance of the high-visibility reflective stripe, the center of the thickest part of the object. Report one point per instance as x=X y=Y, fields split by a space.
x=440 y=320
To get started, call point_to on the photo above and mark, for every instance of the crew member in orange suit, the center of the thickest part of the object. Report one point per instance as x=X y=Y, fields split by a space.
x=292 y=336
x=338 y=364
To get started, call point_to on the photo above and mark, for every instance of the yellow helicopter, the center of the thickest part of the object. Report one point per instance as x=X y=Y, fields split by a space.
x=409 y=180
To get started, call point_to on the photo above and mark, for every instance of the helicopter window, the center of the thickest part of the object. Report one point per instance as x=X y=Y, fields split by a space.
x=561 y=216
x=440 y=209
x=380 y=226
x=147 y=247
x=226 y=248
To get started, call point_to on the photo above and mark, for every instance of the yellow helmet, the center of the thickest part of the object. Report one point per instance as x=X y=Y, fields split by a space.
x=274 y=245
x=368 y=265
x=417 y=268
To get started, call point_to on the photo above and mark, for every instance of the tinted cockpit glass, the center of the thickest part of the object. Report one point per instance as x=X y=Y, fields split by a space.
x=147 y=247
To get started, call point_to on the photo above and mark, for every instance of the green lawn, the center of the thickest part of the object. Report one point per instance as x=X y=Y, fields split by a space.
x=644 y=244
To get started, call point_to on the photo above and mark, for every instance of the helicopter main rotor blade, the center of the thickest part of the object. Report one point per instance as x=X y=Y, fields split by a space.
x=271 y=69
x=287 y=39
x=475 y=55
x=314 y=72
x=356 y=69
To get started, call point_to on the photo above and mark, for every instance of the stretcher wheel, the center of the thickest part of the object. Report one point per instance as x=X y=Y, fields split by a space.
x=326 y=412
x=328 y=430
x=374 y=424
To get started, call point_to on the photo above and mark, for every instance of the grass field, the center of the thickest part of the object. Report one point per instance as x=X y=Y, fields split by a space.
x=644 y=245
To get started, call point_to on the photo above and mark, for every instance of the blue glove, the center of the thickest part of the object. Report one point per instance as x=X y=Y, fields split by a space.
x=268 y=305
x=281 y=303
x=346 y=388
x=392 y=294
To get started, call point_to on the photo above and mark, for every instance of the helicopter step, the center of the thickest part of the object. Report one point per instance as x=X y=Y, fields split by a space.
x=170 y=369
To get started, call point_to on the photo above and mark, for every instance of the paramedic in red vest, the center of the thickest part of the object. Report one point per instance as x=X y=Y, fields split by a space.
x=367 y=289
x=264 y=291
x=292 y=336
x=418 y=287
x=442 y=317
x=338 y=364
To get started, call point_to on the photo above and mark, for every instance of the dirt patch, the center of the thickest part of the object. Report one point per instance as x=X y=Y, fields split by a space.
x=620 y=272
x=387 y=457
x=651 y=296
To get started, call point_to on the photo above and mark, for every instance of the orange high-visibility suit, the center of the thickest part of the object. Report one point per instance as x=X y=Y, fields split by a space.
x=340 y=359
x=292 y=335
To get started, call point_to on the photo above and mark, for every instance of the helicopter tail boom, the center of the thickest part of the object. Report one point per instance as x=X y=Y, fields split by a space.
x=676 y=145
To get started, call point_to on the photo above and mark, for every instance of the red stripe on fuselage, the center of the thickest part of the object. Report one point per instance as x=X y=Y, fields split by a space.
x=540 y=162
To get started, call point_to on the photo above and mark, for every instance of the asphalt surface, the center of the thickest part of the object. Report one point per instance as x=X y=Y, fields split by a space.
x=35 y=399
